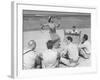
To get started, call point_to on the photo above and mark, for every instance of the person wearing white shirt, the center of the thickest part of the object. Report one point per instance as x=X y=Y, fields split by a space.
x=85 y=47
x=50 y=56
x=74 y=30
x=70 y=55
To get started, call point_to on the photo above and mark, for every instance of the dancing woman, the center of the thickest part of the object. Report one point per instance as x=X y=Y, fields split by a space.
x=52 y=28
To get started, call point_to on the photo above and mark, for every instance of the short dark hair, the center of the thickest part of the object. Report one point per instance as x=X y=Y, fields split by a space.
x=50 y=44
x=85 y=36
x=70 y=38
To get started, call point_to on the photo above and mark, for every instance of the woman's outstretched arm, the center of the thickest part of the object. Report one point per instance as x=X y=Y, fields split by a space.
x=43 y=26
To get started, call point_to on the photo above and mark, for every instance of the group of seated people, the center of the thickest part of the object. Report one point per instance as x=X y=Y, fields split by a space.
x=56 y=54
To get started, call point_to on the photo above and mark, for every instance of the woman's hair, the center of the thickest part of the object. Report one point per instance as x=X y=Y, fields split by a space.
x=50 y=18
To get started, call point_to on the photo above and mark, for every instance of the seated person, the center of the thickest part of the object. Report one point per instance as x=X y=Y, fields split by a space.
x=58 y=48
x=85 y=48
x=74 y=30
x=30 y=56
x=70 y=54
x=50 y=56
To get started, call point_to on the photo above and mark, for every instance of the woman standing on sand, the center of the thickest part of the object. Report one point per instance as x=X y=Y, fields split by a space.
x=52 y=28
